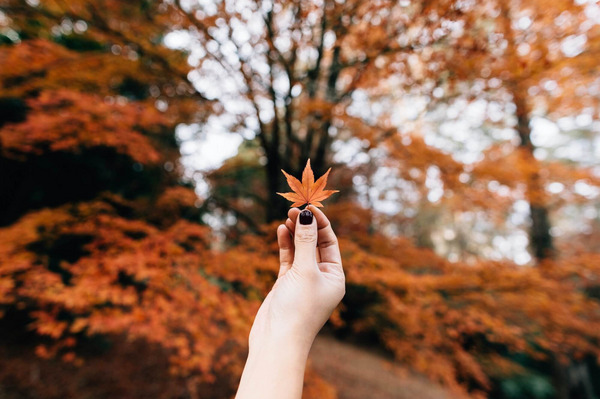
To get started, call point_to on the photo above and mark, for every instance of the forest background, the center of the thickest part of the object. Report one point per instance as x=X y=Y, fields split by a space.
x=141 y=144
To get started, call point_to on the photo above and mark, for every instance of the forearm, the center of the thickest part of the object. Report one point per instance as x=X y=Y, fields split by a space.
x=274 y=370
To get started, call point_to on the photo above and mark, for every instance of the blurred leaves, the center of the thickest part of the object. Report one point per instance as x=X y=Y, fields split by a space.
x=103 y=255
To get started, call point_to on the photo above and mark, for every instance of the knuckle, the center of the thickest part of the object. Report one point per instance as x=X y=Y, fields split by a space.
x=305 y=236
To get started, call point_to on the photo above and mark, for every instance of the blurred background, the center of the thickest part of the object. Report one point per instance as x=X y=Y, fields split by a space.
x=141 y=144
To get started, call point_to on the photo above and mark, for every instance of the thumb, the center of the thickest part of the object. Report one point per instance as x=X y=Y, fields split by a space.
x=305 y=240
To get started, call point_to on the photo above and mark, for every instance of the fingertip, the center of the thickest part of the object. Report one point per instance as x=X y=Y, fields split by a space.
x=306 y=219
x=293 y=214
x=291 y=226
x=314 y=209
x=280 y=230
x=322 y=220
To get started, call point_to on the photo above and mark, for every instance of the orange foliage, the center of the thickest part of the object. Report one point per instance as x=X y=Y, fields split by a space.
x=129 y=278
x=71 y=122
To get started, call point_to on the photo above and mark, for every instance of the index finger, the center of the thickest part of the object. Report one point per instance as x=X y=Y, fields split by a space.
x=327 y=241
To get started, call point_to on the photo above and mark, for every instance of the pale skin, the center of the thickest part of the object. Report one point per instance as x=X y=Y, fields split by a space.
x=309 y=286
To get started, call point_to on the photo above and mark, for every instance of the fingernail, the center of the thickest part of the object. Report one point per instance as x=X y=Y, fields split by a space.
x=306 y=217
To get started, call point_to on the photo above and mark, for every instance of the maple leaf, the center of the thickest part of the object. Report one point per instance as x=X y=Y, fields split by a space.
x=308 y=191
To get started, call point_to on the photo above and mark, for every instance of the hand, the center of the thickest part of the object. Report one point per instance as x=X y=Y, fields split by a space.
x=309 y=286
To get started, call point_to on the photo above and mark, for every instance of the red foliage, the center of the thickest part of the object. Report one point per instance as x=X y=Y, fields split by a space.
x=129 y=278
x=72 y=122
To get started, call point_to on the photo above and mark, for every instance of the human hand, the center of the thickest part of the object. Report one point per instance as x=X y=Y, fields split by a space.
x=309 y=286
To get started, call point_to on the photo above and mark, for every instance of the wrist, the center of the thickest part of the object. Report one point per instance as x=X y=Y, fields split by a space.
x=290 y=344
x=274 y=369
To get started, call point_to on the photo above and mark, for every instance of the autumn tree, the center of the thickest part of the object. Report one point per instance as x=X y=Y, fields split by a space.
x=102 y=258
x=294 y=71
x=520 y=61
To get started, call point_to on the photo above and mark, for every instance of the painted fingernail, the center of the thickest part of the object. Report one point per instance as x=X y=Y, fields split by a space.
x=306 y=217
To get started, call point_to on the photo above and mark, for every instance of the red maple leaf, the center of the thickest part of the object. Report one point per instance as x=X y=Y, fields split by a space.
x=308 y=191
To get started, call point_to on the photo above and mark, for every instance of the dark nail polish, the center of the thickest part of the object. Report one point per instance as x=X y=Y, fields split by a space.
x=306 y=217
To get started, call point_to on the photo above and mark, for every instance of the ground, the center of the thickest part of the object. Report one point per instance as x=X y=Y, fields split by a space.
x=359 y=373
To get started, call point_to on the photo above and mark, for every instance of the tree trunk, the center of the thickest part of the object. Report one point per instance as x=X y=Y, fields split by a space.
x=539 y=234
x=277 y=206
x=571 y=381
x=560 y=379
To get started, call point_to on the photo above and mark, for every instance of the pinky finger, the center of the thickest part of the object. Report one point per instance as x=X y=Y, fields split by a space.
x=286 y=249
